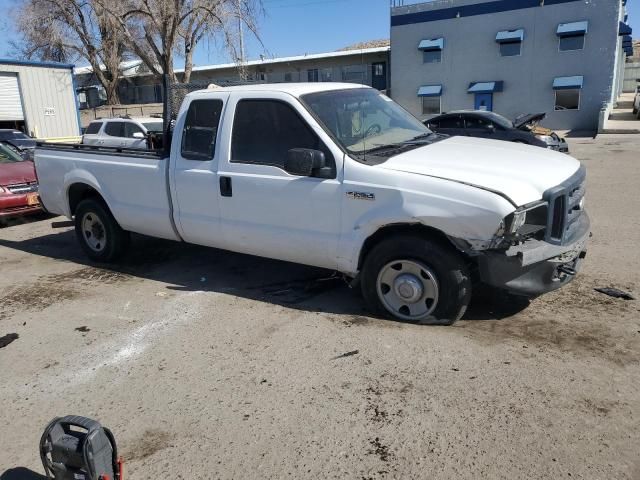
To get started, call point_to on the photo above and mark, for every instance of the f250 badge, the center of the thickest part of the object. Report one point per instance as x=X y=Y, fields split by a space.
x=361 y=196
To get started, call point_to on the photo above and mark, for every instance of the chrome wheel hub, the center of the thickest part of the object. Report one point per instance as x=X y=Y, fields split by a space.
x=94 y=232
x=408 y=289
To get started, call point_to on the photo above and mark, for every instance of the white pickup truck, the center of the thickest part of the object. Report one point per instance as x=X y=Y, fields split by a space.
x=341 y=177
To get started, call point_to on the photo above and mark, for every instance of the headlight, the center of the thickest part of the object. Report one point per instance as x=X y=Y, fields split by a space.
x=519 y=219
x=528 y=220
x=548 y=139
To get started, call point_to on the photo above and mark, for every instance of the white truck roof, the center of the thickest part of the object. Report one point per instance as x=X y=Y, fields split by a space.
x=295 y=89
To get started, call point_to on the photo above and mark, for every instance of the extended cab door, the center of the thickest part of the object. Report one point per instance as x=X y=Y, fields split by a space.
x=263 y=209
x=195 y=152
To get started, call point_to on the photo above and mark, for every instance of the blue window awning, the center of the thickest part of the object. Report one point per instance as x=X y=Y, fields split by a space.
x=485 y=87
x=432 y=44
x=627 y=39
x=628 y=51
x=430 y=91
x=564 y=83
x=572 y=29
x=510 y=36
x=624 y=29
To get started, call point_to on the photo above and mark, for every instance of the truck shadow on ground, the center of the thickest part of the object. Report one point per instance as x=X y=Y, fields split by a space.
x=21 y=473
x=186 y=267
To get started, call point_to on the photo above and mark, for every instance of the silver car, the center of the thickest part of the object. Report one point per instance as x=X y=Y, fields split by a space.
x=123 y=132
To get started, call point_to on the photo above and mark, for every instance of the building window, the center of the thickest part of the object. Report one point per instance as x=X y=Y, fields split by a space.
x=312 y=75
x=378 y=69
x=510 y=49
x=430 y=105
x=574 y=42
x=432 y=56
x=287 y=77
x=326 y=75
x=568 y=99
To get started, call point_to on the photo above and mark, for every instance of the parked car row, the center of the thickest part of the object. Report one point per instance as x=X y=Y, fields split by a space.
x=484 y=124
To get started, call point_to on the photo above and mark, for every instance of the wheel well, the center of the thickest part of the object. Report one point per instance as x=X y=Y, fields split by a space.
x=79 y=192
x=401 y=229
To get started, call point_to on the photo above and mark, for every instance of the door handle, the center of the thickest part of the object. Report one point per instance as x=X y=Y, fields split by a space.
x=225 y=187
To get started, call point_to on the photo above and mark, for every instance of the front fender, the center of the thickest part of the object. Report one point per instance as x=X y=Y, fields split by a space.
x=456 y=210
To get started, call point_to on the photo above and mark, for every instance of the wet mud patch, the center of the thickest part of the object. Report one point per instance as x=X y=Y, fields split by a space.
x=151 y=442
x=379 y=449
x=55 y=288
x=575 y=319
x=90 y=275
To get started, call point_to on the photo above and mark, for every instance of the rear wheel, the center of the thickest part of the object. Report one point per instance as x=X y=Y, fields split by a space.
x=99 y=234
x=416 y=279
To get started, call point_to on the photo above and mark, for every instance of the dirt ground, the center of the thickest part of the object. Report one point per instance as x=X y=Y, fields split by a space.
x=207 y=364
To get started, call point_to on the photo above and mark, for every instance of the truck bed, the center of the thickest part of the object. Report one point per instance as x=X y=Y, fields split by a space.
x=132 y=182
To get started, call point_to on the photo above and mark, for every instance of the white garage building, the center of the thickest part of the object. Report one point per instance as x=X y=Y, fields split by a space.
x=39 y=99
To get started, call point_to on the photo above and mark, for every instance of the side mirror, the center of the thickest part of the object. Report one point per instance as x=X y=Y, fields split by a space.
x=138 y=135
x=304 y=161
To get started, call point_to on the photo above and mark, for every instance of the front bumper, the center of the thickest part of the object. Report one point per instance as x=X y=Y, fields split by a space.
x=536 y=267
x=19 y=205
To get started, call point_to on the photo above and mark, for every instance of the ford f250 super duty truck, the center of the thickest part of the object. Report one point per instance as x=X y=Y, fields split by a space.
x=341 y=177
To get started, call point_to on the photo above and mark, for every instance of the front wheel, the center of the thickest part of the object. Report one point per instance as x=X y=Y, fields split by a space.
x=416 y=279
x=99 y=234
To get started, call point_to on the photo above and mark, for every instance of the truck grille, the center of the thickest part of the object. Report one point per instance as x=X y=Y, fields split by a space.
x=22 y=188
x=564 y=207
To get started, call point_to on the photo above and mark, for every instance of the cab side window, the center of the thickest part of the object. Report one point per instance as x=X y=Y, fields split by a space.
x=265 y=130
x=114 y=129
x=201 y=129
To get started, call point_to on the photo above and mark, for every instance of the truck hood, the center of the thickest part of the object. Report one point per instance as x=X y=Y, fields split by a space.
x=17 y=172
x=520 y=172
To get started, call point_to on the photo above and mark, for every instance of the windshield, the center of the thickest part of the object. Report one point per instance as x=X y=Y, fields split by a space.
x=155 y=127
x=21 y=136
x=8 y=156
x=363 y=119
x=499 y=119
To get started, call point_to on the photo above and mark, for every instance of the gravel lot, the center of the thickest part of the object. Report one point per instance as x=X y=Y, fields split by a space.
x=207 y=364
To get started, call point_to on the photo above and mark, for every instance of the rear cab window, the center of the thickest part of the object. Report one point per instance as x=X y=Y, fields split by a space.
x=201 y=129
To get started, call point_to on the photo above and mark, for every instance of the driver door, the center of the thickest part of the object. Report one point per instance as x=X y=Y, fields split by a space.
x=264 y=210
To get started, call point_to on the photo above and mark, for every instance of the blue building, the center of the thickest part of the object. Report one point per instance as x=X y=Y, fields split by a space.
x=562 y=57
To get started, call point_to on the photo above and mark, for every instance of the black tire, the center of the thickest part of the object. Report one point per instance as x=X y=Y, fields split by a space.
x=115 y=239
x=446 y=264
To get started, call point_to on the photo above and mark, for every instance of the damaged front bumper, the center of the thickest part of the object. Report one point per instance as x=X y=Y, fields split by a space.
x=536 y=267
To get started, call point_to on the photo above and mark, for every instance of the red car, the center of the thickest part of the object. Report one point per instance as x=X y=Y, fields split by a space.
x=18 y=185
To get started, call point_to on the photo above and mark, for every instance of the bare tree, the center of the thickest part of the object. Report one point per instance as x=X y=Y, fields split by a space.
x=68 y=30
x=158 y=31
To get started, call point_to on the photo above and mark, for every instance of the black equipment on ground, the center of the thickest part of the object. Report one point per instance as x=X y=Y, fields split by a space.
x=78 y=448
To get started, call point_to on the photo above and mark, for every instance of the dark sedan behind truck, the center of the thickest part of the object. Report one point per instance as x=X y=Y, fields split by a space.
x=18 y=185
x=484 y=124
